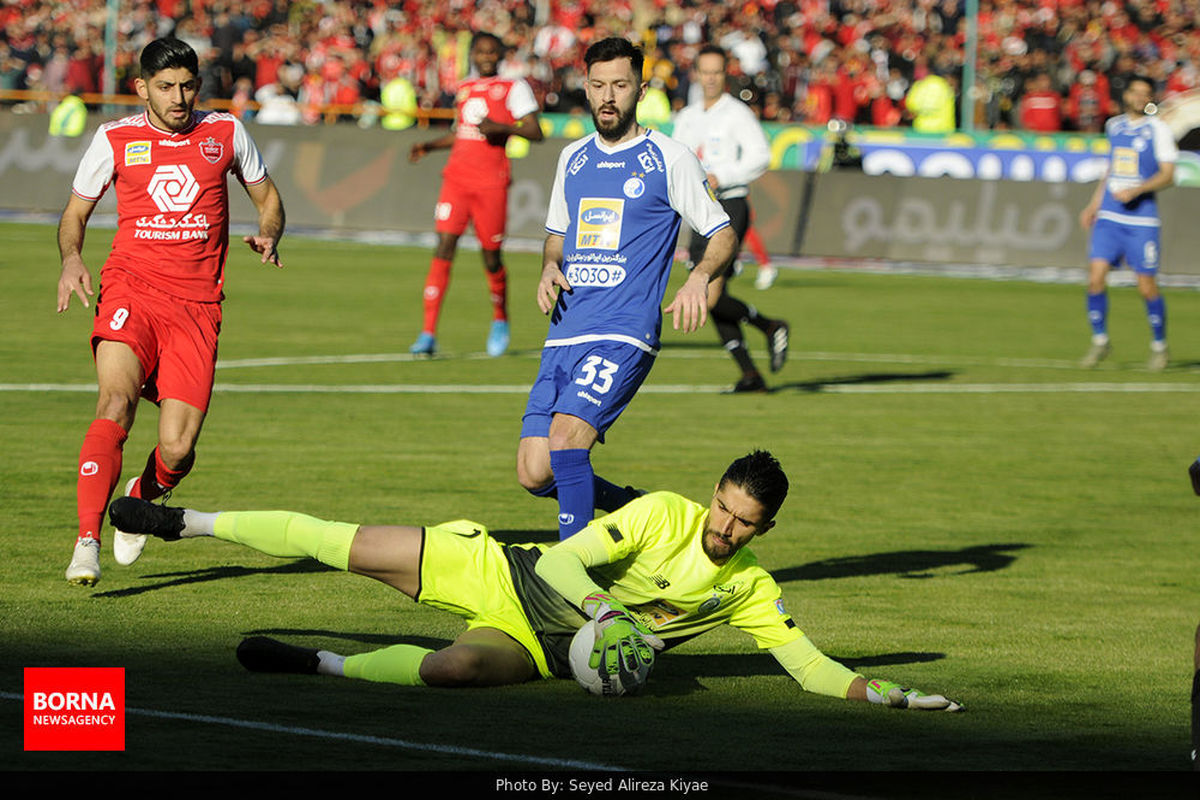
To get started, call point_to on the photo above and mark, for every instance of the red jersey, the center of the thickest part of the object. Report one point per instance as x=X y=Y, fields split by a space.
x=172 y=197
x=473 y=158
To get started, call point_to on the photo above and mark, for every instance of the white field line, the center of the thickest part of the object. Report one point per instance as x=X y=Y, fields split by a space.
x=450 y=750
x=668 y=389
x=669 y=353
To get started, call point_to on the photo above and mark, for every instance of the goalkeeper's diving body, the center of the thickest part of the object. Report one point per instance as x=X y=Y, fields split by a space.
x=656 y=572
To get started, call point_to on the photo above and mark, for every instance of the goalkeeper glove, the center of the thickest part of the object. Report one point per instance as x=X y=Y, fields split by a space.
x=622 y=643
x=897 y=696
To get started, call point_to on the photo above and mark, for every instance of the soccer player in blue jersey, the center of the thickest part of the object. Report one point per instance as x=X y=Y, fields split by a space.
x=615 y=211
x=1124 y=222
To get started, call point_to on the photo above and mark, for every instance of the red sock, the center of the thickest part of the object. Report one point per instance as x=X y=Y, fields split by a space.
x=158 y=479
x=754 y=243
x=435 y=289
x=99 y=471
x=498 y=286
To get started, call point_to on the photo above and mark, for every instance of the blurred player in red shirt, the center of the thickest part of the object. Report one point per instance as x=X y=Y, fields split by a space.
x=475 y=184
x=159 y=310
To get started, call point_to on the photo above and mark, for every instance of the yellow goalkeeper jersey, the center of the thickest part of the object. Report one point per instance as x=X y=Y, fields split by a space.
x=657 y=568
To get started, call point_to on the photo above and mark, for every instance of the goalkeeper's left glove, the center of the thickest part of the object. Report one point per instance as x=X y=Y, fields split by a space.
x=897 y=696
x=622 y=642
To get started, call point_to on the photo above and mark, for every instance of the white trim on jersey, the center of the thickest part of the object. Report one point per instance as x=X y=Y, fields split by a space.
x=602 y=337
x=1129 y=219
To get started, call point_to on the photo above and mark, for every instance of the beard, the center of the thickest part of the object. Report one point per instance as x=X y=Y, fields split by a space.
x=715 y=547
x=618 y=127
x=166 y=115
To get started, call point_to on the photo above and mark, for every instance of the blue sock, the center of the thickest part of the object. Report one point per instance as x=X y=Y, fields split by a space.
x=609 y=496
x=1097 y=308
x=1156 y=312
x=576 y=489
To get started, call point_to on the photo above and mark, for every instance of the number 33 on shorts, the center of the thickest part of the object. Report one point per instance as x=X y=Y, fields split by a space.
x=597 y=373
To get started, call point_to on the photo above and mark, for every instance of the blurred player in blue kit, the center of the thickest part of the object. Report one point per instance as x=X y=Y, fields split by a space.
x=615 y=211
x=1123 y=218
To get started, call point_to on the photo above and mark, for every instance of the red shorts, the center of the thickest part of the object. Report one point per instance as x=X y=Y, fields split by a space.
x=175 y=340
x=487 y=209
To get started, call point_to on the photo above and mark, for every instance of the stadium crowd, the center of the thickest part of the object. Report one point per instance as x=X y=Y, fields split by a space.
x=1043 y=65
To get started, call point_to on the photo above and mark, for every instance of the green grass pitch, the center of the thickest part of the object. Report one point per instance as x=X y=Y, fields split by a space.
x=969 y=514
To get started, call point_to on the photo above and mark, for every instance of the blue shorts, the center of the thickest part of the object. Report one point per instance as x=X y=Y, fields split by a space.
x=1138 y=245
x=594 y=381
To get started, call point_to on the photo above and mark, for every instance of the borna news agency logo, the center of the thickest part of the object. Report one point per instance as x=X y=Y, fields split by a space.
x=173 y=187
x=74 y=708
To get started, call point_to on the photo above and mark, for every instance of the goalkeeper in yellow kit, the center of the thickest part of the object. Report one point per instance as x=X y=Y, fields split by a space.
x=658 y=571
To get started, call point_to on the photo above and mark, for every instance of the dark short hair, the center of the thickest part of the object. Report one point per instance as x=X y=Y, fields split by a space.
x=481 y=35
x=1146 y=79
x=611 y=49
x=760 y=476
x=713 y=50
x=168 y=54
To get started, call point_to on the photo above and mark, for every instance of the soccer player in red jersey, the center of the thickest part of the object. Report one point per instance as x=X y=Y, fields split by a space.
x=475 y=184
x=159 y=309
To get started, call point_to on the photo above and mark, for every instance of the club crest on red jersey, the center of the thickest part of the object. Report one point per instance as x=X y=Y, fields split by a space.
x=212 y=150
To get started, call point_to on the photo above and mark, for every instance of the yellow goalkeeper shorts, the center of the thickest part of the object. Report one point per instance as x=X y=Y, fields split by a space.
x=464 y=571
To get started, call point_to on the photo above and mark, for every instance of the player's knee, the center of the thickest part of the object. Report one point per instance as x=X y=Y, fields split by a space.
x=532 y=479
x=118 y=407
x=454 y=666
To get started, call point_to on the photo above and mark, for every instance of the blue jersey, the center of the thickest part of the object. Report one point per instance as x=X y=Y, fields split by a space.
x=1139 y=146
x=618 y=210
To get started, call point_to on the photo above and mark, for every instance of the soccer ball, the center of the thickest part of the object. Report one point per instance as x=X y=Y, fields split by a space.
x=594 y=680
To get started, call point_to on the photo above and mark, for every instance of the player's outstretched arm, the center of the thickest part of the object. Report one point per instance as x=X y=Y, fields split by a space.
x=689 y=309
x=552 y=277
x=271 y=220
x=820 y=674
x=894 y=695
x=422 y=149
x=527 y=127
x=74 y=278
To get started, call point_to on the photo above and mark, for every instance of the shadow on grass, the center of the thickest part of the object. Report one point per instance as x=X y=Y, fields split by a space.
x=373 y=640
x=819 y=384
x=906 y=563
x=679 y=673
x=166 y=580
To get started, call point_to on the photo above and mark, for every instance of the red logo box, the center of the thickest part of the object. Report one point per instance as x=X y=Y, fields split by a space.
x=74 y=708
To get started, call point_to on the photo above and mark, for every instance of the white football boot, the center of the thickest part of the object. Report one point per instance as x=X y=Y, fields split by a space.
x=85 y=563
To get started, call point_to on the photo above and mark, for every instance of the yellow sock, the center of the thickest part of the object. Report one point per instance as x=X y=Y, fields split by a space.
x=284 y=533
x=400 y=663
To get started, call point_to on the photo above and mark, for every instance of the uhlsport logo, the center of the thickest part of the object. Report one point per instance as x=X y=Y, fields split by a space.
x=74 y=708
x=173 y=188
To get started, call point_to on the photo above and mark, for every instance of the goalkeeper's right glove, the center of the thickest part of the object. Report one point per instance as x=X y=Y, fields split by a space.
x=897 y=696
x=622 y=643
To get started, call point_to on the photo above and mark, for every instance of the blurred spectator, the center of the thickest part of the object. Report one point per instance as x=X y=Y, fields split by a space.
x=1088 y=103
x=804 y=59
x=1041 y=106
x=930 y=101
